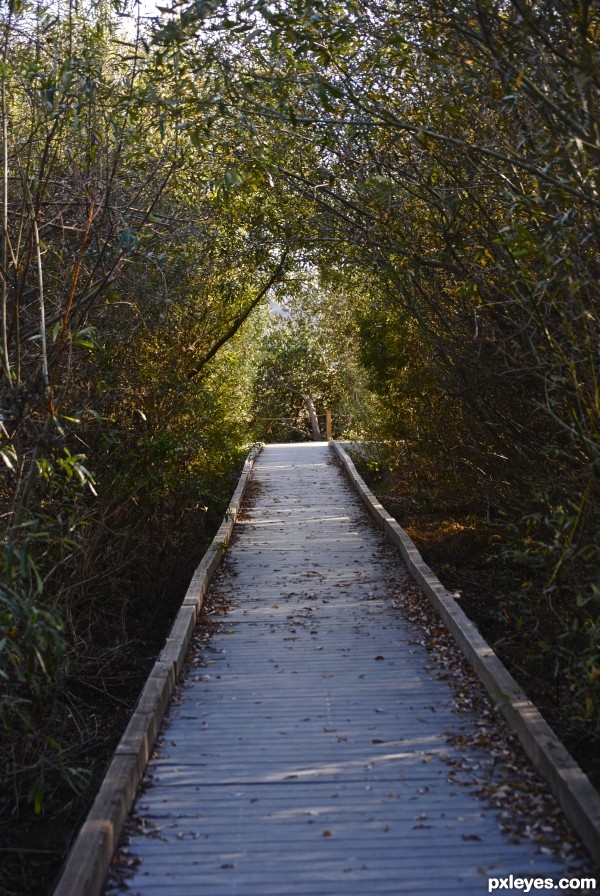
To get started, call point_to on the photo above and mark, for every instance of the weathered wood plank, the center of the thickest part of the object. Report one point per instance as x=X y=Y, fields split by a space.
x=308 y=750
x=86 y=865
x=573 y=789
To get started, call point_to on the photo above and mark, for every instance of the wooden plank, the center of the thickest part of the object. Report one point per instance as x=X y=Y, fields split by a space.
x=87 y=863
x=98 y=838
x=309 y=752
x=578 y=798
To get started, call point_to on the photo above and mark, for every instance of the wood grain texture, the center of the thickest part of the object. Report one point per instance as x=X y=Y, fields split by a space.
x=308 y=750
x=86 y=865
x=571 y=786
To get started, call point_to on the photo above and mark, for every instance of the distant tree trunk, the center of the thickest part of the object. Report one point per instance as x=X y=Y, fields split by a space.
x=314 y=423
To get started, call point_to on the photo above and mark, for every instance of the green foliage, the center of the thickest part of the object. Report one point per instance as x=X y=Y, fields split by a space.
x=436 y=259
x=31 y=642
x=310 y=350
x=132 y=254
x=477 y=225
x=556 y=548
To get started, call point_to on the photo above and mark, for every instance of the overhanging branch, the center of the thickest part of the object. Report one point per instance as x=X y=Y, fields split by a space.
x=237 y=323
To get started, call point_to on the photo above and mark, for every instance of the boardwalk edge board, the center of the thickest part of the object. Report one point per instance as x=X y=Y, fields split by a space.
x=88 y=860
x=571 y=786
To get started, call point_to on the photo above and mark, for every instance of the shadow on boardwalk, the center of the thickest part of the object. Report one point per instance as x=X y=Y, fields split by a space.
x=311 y=748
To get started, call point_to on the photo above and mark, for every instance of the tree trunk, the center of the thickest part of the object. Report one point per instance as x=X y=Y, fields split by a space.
x=314 y=423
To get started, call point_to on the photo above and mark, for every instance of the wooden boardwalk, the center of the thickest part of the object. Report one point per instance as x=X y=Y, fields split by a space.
x=307 y=750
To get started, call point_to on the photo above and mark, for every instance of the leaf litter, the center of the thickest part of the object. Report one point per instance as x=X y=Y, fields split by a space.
x=490 y=760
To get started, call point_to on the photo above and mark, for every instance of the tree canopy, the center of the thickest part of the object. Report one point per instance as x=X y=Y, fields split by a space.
x=418 y=190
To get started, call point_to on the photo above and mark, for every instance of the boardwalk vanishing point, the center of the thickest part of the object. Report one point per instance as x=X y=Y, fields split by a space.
x=311 y=748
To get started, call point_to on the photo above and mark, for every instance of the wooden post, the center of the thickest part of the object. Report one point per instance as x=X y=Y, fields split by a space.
x=328 y=429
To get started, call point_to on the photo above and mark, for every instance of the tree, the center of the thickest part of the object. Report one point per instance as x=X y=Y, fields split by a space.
x=131 y=259
x=309 y=365
x=477 y=221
